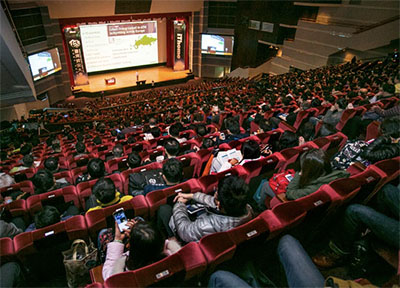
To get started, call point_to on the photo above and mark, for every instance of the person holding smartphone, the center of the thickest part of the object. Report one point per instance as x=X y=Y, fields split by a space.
x=146 y=245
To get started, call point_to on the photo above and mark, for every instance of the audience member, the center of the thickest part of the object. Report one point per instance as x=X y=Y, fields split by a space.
x=44 y=182
x=95 y=170
x=104 y=194
x=225 y=210
x=146 y=245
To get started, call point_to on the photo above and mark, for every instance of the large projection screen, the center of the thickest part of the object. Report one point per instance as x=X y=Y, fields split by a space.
x=119 y=45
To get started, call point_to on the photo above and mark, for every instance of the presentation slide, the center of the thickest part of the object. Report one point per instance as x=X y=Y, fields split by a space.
x=44 y=63
x=216 y=44
x=119 y=45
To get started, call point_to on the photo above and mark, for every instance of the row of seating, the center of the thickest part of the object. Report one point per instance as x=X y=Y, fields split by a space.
x=220 y=247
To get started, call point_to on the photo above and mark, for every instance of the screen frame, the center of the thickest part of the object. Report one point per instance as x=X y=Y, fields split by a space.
x=215 y=34
x=126 y=68
x=40 y=51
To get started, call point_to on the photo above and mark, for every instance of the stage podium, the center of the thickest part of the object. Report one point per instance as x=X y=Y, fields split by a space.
x=141 y=83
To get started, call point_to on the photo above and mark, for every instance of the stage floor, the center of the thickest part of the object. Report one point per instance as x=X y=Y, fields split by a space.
x=126 y=79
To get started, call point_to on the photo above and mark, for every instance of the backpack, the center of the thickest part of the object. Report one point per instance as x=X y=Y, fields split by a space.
x=279 y=181
x=137 y=181
x=349 y=154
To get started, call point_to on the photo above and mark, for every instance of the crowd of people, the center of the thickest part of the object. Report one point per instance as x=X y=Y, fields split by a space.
x=221 y=118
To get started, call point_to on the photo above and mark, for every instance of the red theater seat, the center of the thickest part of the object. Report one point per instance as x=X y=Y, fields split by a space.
x=183 y=265
x=209 y=183
x=60 y=198
x=159 y=197
x=48 y=243
x=217 y=248
x=75 y=173
x=119 y=164
x=24 y=186
x=7 y=253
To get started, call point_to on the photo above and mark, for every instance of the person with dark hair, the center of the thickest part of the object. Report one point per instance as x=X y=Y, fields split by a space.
x=27 y=162
x=51 y=164
x=225 y=210
x=131 y=140
x=95 y=169
x=232 y=131
x=79 y=137
x=201 y=130
x=104 y=194
x=172 y=173
x=26 y=149
x=120 y=136
x=147 y=245
x=56 y=148
x=174 y=131
x=50 y=215
x=332 y=117
x=117 y=152
x=207 y=143
x=155 y=132
x=172 y=148
x=80 y=150
x=250 y=151
x=315 y=171
x=288 y=139
x=134 y=160
x=44 y=182
x=97 y=140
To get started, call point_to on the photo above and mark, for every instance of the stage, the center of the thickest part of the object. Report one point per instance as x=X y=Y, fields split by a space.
x=125 y=81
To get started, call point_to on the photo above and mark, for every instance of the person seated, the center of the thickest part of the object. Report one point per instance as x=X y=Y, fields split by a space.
x=56 y=148
x=174 y=131
x=95 y=170
x=201 y=130
x=332 y=117
x=315 y=171
x=171 y=150
x=51 y=164
x=26 y=149
x=117 y=152
x=232 y=132
x=134 y=160
x=27 y=162
x=225 y=210
x=366 y=152
x=250 y=151
x=104 y=194
x=44 y=182
x=172 y=174
x=50 y=215
x=382 y=221
x=80 y=150
x=146 y=246
x=97 y=140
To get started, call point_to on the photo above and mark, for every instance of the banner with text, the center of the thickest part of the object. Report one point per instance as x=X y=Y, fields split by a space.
x=73 y=40
x=179 y=45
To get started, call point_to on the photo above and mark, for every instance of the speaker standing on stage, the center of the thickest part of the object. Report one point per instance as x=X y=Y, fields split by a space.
x=137 y=76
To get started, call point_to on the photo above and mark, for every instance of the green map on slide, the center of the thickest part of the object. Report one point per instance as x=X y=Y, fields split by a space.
x=145 y=40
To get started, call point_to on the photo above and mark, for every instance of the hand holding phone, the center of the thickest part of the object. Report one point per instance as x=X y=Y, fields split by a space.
x=121 y=220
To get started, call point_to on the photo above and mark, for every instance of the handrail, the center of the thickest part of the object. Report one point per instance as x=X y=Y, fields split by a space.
x=372 y=26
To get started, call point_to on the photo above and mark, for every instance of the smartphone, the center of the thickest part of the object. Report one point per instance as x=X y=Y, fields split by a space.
x=222 y=136
x=118 y=131
x=120 y=218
